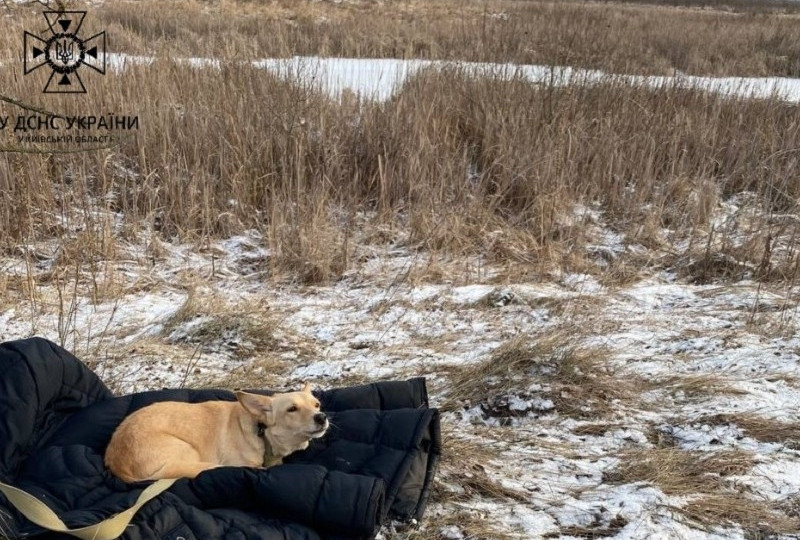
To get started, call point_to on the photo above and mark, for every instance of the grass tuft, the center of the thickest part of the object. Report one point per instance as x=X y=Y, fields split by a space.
x=680 y=472
x=759 y=520
x=768 y=430
x=578 y=381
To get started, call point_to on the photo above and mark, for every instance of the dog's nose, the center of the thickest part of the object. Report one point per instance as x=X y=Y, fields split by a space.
x=320 y=418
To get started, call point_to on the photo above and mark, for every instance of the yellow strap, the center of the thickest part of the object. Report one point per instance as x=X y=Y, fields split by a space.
x=108 y=529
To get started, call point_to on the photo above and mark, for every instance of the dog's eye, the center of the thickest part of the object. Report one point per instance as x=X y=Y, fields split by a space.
x=293 y=408
x=317 y=405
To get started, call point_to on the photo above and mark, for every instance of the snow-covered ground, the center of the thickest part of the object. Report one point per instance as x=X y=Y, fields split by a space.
x=209 y=315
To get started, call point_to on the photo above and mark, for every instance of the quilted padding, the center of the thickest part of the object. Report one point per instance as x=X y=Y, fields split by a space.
x=56 y=418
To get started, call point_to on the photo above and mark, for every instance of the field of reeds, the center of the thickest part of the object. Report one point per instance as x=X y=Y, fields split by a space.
x=451 y=157
x=525 y=245
x=705 y=37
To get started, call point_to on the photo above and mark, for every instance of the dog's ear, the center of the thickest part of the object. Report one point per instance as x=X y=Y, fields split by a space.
x=306 y=387
x=255 y=404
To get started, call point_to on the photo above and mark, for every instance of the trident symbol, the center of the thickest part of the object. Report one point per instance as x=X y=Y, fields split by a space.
x=64 y=51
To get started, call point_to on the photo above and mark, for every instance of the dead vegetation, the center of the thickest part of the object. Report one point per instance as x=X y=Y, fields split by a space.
x=656 y=164
x=761 y=428
x=680 y=472
x=121 y=366
x=460 y=168
x=760 y=520
x=705 y=478
x=465 y=469
x=610 y=530
x=466 y=474
x=596 y=429
x=698 y=387
x=207 y=326
x=264 y=372
x=578 y=381
x=761 y=39
x=245 y=328
x=473 y=524
x=306 y=172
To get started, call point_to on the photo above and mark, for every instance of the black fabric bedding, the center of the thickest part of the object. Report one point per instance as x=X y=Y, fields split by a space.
x=376 y=463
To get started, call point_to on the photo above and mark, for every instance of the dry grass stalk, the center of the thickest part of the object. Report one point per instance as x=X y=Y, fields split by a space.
x=465 y=465
x=681 y=472
x=469 y=165
x=579 y=381
x=269 y=371
x=699 y=386
x=297 y=166
x=246 y=328
x=759 y=519
x=604 y=35
x=612 y=529
x=769 y=430
x=704 y=477
x=596 y=429
x=475 y=525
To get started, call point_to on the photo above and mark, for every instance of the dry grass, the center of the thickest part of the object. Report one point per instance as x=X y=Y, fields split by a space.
x=246 y=328
x=775 y=325
x=464 y=475
x=699 y=386
x=294 y=164
x=465 y=465
x=605 y=35
x=704 y=477
x=265 y=372
x=761 y=428
x=206 y=327
x=298 y=166
x=611 y=529
x=578 y=381
x=596 y=429
x=768 y=430
x=473 y=524
x=760 y=520
x=455 y=166
x=680 y=472
x=120 y=367
x=726 y=6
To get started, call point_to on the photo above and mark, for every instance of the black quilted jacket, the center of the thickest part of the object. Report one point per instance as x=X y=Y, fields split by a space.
x=56 y=417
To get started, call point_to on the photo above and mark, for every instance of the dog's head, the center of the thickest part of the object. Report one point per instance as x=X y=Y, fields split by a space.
x=292 y=418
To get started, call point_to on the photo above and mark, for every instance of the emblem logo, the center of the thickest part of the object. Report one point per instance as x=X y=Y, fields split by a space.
x=64 y=52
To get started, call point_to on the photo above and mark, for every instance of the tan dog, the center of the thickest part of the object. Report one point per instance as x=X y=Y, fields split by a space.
x=173 y=440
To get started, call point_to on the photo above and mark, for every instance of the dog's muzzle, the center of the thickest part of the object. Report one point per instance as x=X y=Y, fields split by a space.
x=320 y=420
